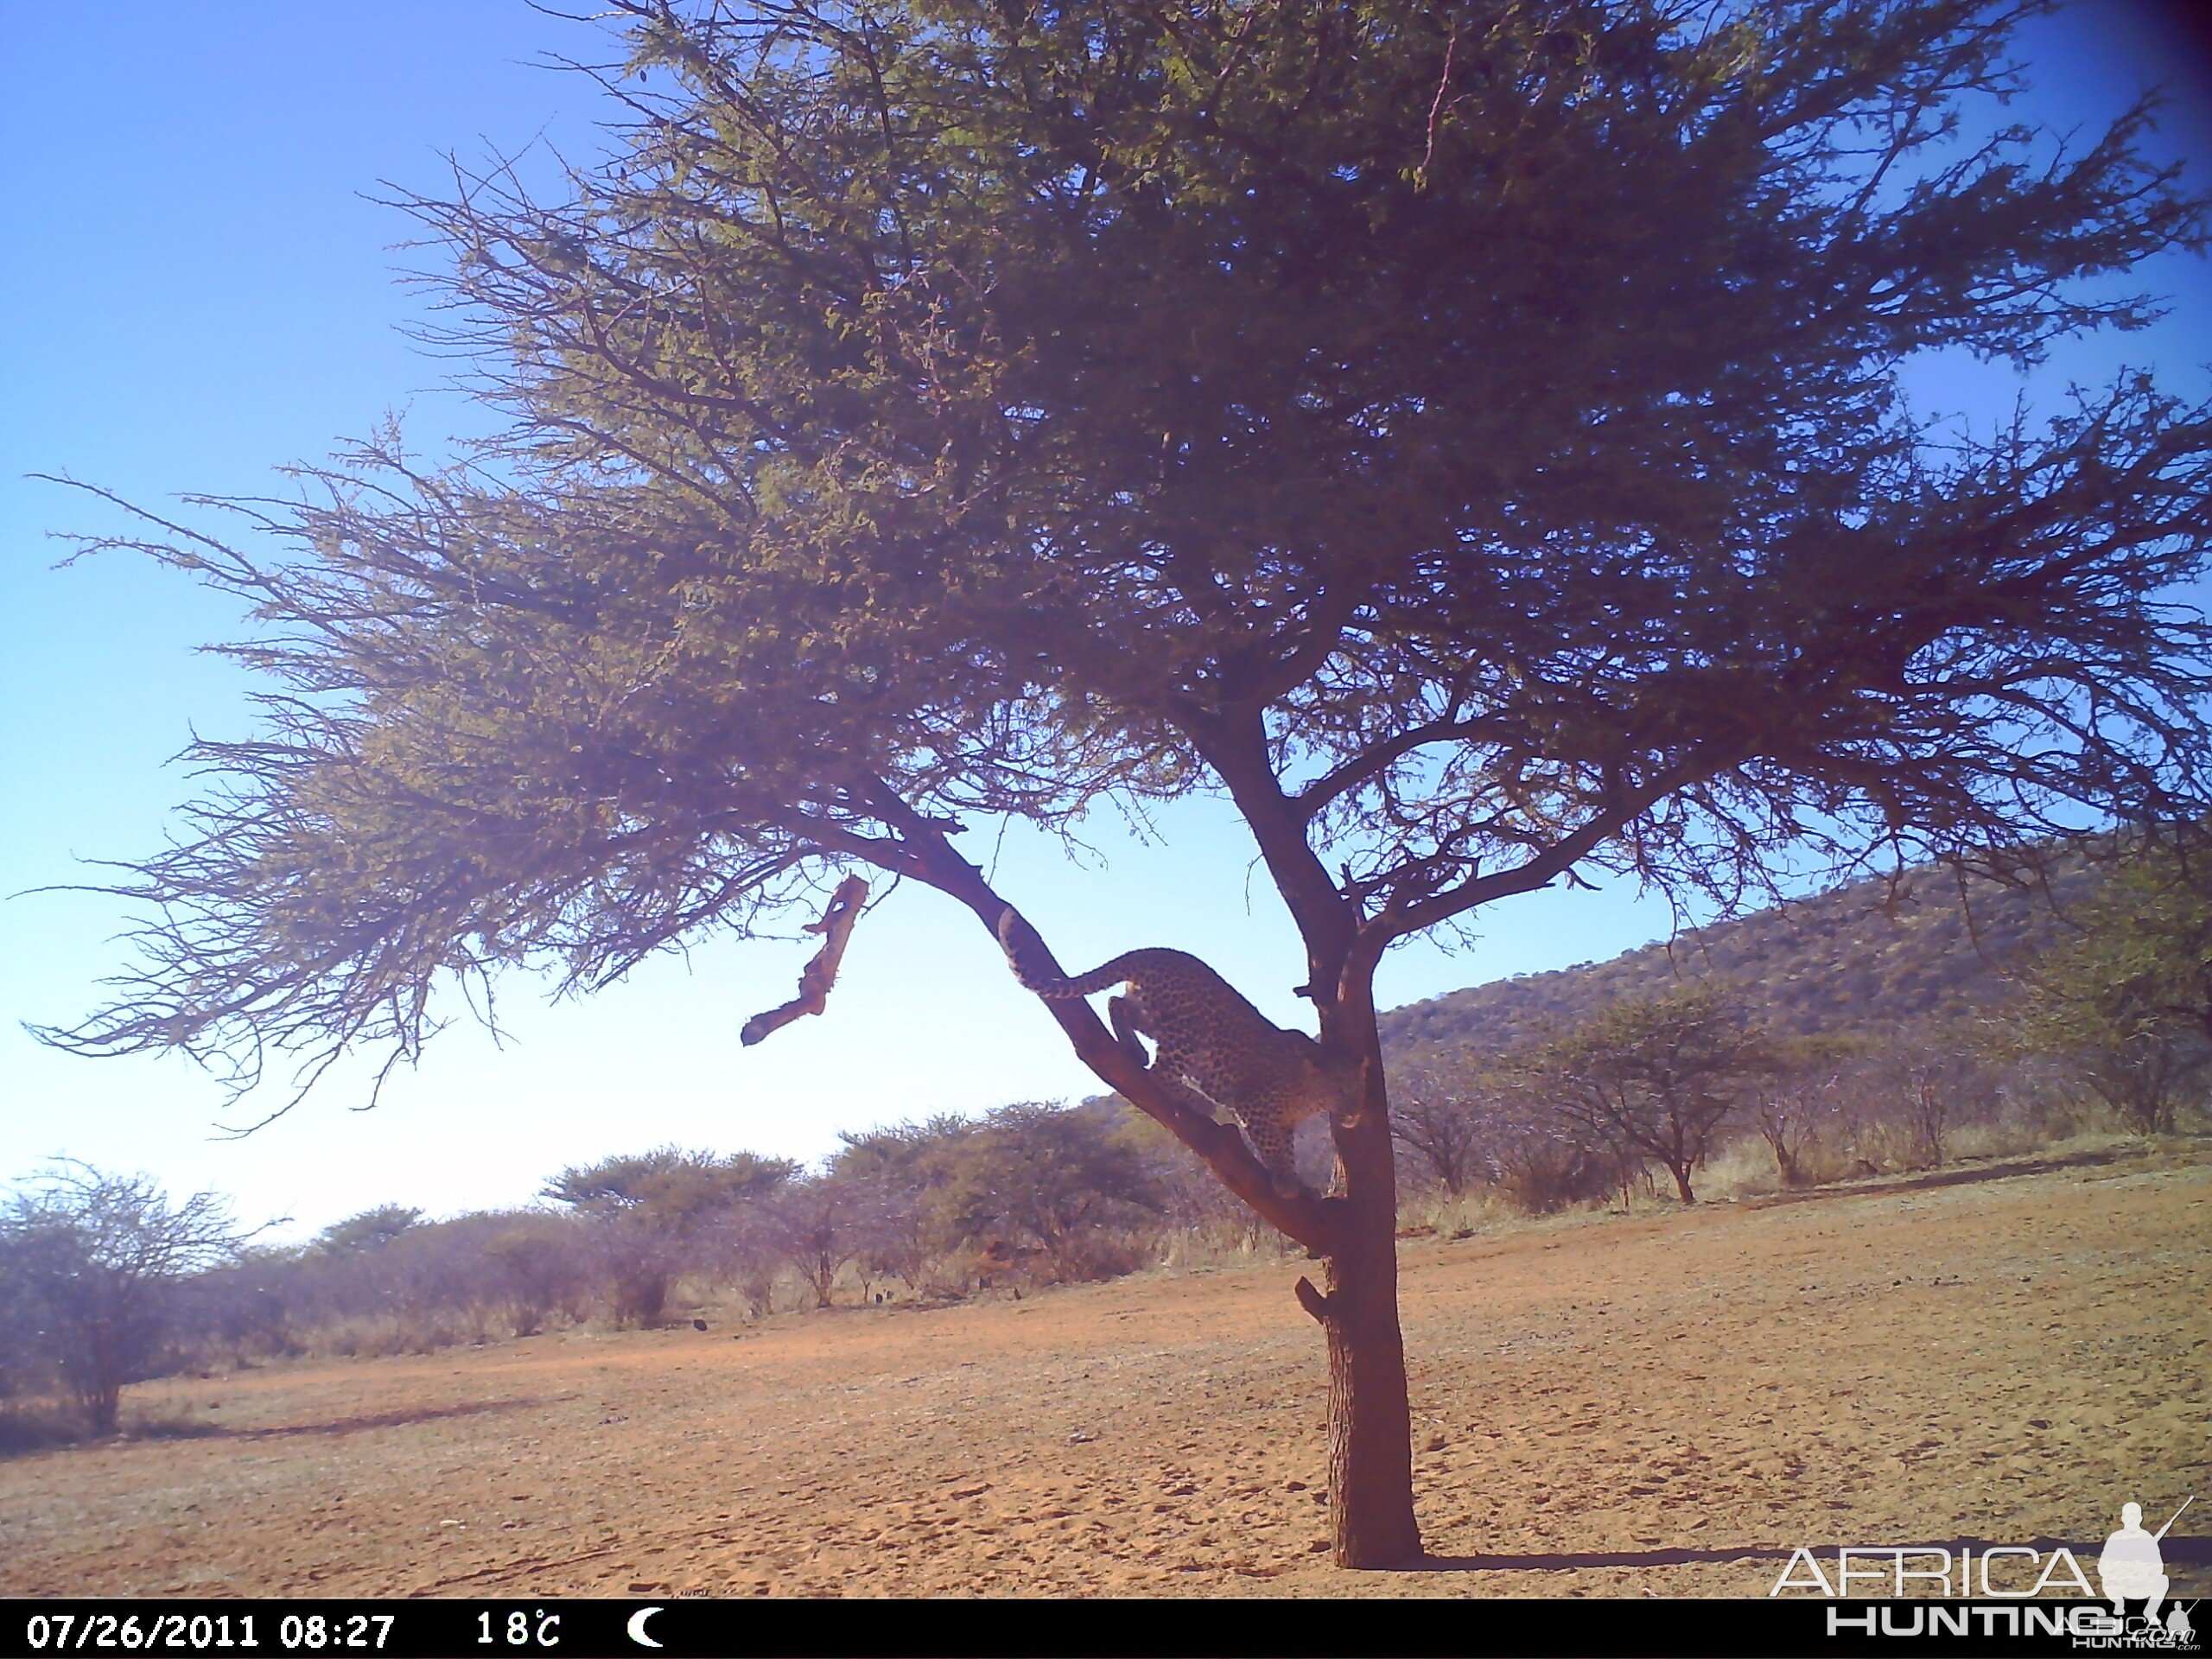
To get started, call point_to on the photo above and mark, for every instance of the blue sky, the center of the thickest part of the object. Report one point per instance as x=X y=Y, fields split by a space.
x=196 y=288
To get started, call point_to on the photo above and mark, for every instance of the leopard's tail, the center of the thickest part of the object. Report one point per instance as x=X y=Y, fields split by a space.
x=1051 y=986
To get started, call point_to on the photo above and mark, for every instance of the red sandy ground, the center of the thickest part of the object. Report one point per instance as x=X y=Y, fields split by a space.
x=1659 y=1405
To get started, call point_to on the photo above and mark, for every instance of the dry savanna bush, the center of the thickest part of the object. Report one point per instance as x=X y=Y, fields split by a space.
x=106 y=1280
x=1645 y=1097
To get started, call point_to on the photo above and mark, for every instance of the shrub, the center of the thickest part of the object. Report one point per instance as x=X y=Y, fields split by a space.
x=97 y=1262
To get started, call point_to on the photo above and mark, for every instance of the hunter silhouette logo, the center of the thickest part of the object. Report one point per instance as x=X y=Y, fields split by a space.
x=2132 y=1568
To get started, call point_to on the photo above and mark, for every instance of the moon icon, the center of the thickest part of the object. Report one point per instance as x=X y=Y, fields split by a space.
x=637 y=1627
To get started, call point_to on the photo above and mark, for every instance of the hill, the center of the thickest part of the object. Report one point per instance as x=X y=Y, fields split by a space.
x=1871 y=956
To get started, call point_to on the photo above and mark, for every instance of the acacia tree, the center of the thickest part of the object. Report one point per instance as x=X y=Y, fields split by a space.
x=371 y=1230
x=1935 y=1080
x=2129 y=997
x=97 y=1260
x=907 y=1171
x=1656 y=1076
x=1435 y=1116
x=654 y=1211
x=1464 y=437
x=1058 y=1174
x=1801 y=1095
x=22 y=1362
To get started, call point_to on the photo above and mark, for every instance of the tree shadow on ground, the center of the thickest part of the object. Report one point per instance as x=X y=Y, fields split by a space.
x=2179 y=1549
x=1960 y=1176
x=26 y=1432
x=184 y=1429
x=377 y=1419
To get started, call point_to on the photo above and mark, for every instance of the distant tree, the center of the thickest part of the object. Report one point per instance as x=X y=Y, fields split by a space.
x=368 y=1230
x=820 y=1225
x=1801 y=1096
x=1469 y=439
x=1658 y=1076
x=257 y=1304
x=907 y=1171
x=97 y=1260
x=1055 y=1174
x=2156 y=917
x=1191 y=1201
x=1937 y=1079
x=914 y=1154
x=653 y=1212
x=2128 y=998
x=638 y=1263
x=22 y=1361
x=1435 y=1116
x=1543 y=1159
x=679 y=1187
x=537 y=1269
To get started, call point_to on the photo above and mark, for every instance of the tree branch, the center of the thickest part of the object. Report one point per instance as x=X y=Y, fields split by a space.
x=1368 y=762
x=925 y=854
x=1237 y=748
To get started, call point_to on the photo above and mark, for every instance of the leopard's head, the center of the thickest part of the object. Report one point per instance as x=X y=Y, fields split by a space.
x=1333 y=1079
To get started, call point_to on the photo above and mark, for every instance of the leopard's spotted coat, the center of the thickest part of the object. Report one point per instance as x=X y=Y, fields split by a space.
x=1210 y=1037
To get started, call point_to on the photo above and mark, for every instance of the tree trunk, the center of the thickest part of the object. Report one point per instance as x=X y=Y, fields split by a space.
x=1355 y=1231
x=1681 y=1171
x=1785 y=1162
x=1370 y=1439
x=102 y=1402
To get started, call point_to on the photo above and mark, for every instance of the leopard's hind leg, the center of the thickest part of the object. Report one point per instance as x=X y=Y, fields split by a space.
x=1123 y=1014
x=1271 y=1140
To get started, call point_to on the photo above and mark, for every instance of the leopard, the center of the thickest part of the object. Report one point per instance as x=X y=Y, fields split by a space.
x=1208 y=1037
